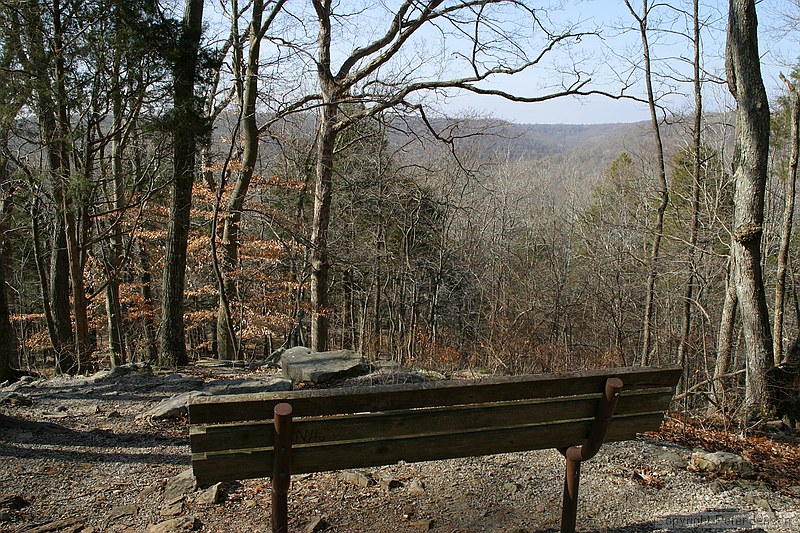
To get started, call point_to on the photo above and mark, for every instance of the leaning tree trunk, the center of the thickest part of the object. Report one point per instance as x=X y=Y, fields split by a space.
x=788 y=216
x=647 y=326
x=173 y=336
x=750 y=178
x=725 y=338
x=226 y=341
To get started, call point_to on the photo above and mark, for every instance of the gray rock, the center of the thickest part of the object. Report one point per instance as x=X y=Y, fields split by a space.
x=15 y=399
x=719 y=461
x=388 y=481
x=122 y=510
x=422 y=525
x=174 y=525
x=179 y=486
x=359 y=479
x=511 y=488
x=246 y=386
x=416 y=486
x=174 y=407
x=211 y=495
x=321 y=367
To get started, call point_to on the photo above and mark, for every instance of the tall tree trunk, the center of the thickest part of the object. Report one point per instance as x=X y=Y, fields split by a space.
x=788 y=216
x=647 y=326
x=326 y=140
x=9 y=344
x=696 y=171
x=750 y=177
x=113 y=307
x=173 y=340
x=226 y=342
x=725 y=340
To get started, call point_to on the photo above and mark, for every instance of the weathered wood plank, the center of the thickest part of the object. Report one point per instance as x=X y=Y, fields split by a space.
x=212 y=467
x=235 y=408
x=425 y=421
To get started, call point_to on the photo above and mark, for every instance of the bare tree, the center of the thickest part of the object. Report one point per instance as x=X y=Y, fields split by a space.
x=497 y=47
x=173 y=343
x=750 y=178
x=647 y=326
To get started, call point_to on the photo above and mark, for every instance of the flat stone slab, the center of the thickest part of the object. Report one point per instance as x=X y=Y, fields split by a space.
x=320 y=367
x=247 y=385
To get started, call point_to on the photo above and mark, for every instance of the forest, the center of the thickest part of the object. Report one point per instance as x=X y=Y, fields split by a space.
x=187 y=179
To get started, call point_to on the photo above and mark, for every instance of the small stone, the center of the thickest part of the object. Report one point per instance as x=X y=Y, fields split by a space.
x=388 y=481
x=211 y=495
x=172 y=509
x=764 y=504
x=123 y=510
x=174 y=525
x=511 y=488
x=147 y=491
x=12 y=501
x=416 y=486
x=716 y=487
x=316 y=524
x=422 y=525
x=180 y=485
x=359 y=479
x=15 y=399
x=408 y=511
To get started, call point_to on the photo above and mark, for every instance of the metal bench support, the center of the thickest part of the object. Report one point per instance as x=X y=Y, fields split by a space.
x=282 y=467
x=577 y=454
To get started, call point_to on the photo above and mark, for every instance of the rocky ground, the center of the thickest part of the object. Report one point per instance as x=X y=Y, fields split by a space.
x=93 y=454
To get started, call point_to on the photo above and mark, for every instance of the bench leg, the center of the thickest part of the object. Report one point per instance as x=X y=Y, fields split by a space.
x=577 y=454
x=569 y=508
x=282 y=468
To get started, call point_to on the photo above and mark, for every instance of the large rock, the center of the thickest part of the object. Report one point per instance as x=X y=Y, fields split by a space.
x=720 y=461
x=247 y=385
x=174 y=407
x=320 y=367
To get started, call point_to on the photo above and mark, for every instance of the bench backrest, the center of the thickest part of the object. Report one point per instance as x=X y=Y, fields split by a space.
x=232 y=437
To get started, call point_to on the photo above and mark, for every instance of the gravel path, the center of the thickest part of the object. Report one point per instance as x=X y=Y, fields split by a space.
x=79 y=459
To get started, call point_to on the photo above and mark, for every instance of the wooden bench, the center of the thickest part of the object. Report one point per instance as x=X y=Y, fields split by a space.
x=279 y=434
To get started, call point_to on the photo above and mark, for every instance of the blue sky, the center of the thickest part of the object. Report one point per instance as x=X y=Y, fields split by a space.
x=778 y=44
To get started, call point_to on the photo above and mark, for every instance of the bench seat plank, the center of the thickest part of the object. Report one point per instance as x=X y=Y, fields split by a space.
x=339 y=455
x=243 y=407
x=408 y=422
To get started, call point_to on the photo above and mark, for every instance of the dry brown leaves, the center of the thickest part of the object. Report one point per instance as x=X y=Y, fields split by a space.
x=774 y=462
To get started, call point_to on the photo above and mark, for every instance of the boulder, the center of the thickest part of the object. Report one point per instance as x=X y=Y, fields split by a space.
x=173 y=407
x=321 y=367
x=720 y=461
x=247 y=385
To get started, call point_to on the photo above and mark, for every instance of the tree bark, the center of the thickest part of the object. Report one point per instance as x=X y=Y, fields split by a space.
x=788 y=217
x=226 y=342
x=647 y=326
x=696 y=171
x=725 y=339
x=173 y=336
x=326 y=140
x=750 y=178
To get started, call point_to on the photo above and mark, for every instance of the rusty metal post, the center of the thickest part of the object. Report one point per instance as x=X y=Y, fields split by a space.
x=569 y=506
x=282 y=467
x=575 y=455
